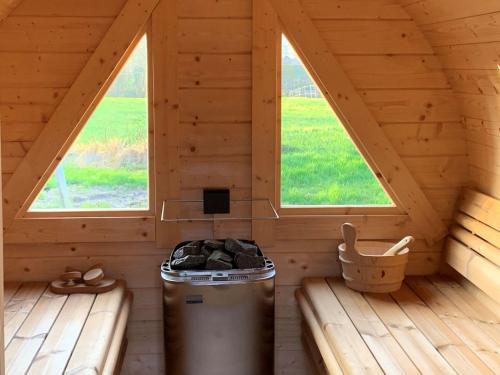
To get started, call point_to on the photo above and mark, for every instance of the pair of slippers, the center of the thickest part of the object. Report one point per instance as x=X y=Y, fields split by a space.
x=77 y=281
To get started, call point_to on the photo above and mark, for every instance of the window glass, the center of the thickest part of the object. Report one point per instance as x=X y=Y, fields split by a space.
x=320 y=165
x=107 y=165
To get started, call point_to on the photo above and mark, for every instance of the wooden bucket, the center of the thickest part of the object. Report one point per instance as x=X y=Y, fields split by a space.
x=369 y=270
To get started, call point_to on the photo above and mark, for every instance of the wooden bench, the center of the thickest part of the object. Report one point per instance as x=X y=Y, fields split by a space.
x=432 y=325
x=52 y=334
x=473 y=248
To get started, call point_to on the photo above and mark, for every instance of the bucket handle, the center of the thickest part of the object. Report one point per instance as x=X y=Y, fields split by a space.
x=349 y=234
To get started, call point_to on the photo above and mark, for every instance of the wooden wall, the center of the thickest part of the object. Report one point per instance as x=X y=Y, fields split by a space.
x=466 y=38
x=43 y=48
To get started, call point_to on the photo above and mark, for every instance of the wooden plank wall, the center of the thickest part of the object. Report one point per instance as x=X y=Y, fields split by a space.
x=43 y=47
x=466 y=37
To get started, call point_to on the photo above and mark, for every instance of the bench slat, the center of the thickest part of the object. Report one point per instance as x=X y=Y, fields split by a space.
x=473 y=267
x=319 y=337
x=469 y=332
x=29 y=338
x=482 y=230
x=414 y=343
x=115 y=348
x=56 y=350
x=315 y=354
x=19 y=307
x=481 y=207
x=353 y=355
x=477 y=244
x=474 y=292
x=385 y=348
x=10 y=288
x=90 y=353
x=449 y=345
x=470 y=306
x=349 y=348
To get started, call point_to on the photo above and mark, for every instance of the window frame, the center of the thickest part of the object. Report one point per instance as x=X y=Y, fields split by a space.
x=315 y=210
x=115 y=213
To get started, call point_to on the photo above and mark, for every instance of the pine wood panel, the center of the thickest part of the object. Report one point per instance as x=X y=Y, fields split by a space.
x=265 y=111
x=215 y=139
x=215 y=172
x=469 y=56
x=19 y=131
x=6 y=8
x=81 y=229
x=394 y=71
x=429 y=139
x=215 y=35
x=484 y=157
x=69 y=8
x=412 y=105
x=470 y=30
x=215 y=71
x=438 y=172
x=215 y=105
x=479 y=107
x=483 y=126
x=26 y=112
x=486 y=181
x=214 y=8
x=479 y=82
x=52 y=34
x=357 y=9
x=432 y=11
x=166 y=113
x=40 y=69
x=484 y=139
x=373 y=37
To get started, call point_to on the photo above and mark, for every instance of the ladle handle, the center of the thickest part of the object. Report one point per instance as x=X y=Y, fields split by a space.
x=349 y=234
x=399 y=246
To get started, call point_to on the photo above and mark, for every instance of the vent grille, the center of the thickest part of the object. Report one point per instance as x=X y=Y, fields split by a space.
x=200 y=278
x=238 y=277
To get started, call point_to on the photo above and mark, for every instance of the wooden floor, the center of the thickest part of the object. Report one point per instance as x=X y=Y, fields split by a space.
x=46 y=333
x=430 y=326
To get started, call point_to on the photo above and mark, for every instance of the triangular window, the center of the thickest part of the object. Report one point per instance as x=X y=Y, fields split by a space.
x=320 y=165
x=106 y=168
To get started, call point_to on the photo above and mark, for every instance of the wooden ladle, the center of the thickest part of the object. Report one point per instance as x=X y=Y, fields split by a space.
x=399 y=246
x=349 y=234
